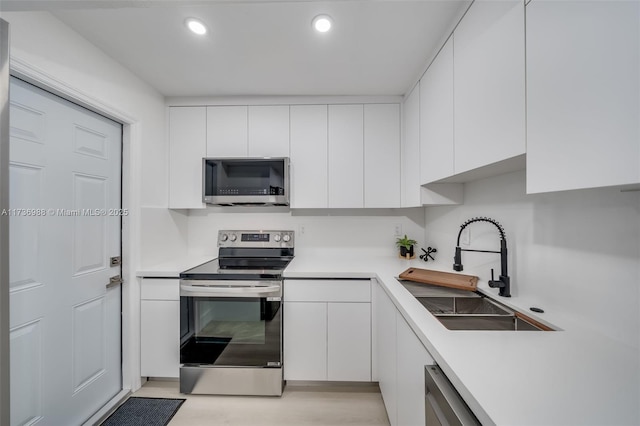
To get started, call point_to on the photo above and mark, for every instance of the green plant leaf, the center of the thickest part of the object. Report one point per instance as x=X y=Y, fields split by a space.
x=405 y=242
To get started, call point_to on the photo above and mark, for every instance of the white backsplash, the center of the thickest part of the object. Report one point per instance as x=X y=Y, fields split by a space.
x=368 y=231
x=574 y=251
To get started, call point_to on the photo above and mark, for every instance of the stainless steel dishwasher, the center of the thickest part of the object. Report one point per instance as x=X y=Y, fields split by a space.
x=443 y=405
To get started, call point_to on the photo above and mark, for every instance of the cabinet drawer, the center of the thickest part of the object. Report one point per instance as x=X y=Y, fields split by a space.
x=327 y=291
x=160 y=289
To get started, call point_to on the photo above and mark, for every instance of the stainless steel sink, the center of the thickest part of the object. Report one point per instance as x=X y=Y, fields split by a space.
x=462 y=305
x=464 y=310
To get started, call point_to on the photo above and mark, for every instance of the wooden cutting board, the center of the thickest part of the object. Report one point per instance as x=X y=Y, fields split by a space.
x=443 y=279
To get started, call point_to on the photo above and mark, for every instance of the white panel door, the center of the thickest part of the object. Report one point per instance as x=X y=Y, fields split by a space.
x=65 y=323
x=382 y=155
x=269 y=131
x=187 y=148
x=346 y=156
x=412 y=357
x=349 y=342
x=583 y=100
x=309 y=156
x=305 y=341
x=386 y=351
x=489 y=74
x=410 y=150
x=227 y=131
x=436 y=117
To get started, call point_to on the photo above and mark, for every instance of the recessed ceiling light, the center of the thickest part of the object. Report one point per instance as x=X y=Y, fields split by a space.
x=196 y=26
x=322 y=23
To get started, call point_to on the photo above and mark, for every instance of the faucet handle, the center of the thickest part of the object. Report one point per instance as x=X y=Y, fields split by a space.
x=492 y=274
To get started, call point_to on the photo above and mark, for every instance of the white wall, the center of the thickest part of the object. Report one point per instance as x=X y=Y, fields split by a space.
x=575 y=251
x=47 y=52
x=360 y=231
x=58 y=55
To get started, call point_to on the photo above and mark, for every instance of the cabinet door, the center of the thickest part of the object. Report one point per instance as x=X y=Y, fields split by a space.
x=386 y=351
x=382 y=155
x=582 y=94
x=269 y=131
x=349 y=342
x=410 y=150
x=436 y=117
x=309 y=156
x=227 y=131
x=319 y=290
x=489 y=74
x=305 y=341
x=346 y=162
x=412 y=357
x=187 y=147
x=159 y=338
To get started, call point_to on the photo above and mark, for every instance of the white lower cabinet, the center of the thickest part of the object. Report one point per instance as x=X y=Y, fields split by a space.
x=305 y=341
x=160 y=327
x=411 y=359
x=349 y=342
x=401 y=361
x=327 y=330
x=386 y=351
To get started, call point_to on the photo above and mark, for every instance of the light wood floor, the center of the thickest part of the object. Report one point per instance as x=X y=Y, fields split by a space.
x=298 y=406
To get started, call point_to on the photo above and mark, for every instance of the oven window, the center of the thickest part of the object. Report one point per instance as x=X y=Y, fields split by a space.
x=236 y=332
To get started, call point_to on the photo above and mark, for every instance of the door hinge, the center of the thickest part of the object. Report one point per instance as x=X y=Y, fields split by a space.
x=115 y=261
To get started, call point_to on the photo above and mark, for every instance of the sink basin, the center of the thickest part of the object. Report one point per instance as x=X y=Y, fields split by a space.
x=465 y=310
x=462 y=305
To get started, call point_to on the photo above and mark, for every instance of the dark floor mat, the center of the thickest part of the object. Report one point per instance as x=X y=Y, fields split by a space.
x=144 y=412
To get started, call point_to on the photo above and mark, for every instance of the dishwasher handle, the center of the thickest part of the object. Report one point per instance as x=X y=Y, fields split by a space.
x=443 y=404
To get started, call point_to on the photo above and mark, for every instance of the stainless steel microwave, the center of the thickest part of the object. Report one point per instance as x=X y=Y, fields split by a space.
x=246 y=181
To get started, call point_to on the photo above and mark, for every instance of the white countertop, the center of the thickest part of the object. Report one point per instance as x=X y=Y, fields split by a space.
x=172 y=268
x=572 y=376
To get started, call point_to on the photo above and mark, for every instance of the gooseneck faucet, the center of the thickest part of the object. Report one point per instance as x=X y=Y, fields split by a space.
x=503 y=283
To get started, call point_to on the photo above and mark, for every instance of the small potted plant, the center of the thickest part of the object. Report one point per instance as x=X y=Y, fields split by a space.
x=406 y=247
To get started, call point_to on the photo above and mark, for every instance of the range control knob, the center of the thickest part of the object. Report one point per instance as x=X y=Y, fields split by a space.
x=286 y=238
x=233 y=237
x=276 y=238
x=224 y=237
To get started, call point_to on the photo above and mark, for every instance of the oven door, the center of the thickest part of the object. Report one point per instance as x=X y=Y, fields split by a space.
x=231 y=324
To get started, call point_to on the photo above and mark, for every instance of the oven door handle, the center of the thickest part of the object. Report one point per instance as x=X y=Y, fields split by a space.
x=229 y=291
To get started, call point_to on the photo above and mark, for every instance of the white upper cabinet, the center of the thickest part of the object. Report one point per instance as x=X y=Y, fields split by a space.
x=187 y=147
x=308 y=156
x=583 y=94
x=410 y=147
x=342 y=156
x=436 y=118
x=227 y=131
x=268 y=131
x=489 y=82
x=345 y=156
x=382 y=155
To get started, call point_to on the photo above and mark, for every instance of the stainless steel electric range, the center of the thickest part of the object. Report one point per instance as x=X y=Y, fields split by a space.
x=231 y=316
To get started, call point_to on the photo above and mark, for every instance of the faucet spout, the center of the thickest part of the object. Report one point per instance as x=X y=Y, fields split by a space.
x=457 y=260
x=503 y=283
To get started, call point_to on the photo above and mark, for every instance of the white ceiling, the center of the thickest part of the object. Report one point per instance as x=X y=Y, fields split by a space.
x=263 y=47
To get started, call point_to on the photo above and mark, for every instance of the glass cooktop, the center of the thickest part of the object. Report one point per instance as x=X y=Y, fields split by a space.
x=239 y=268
